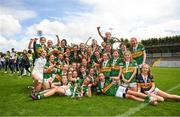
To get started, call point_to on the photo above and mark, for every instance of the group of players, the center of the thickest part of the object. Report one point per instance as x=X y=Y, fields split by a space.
x=16 y=62
x=83 y=70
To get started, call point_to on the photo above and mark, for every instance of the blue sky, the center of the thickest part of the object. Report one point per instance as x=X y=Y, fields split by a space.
x=78 y=19
x=45 y=9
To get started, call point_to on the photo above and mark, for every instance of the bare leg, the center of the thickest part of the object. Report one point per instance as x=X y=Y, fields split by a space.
x=53 y=91
x=159 y=98
x=137 y=94
x=37 y=84
x=44 y=91
x=134 y=98
x=53 y=85
x=46 y=85
x=141 y=99
x=133 y=89
x=168 y=96
x=38 y=87
x=60 y=90
x=142 y=96
x=50 y=92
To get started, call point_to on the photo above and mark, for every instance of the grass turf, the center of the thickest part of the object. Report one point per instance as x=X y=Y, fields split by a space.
x=15 y=100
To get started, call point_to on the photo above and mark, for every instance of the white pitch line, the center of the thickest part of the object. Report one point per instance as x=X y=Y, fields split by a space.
x=177 y=86
x=141 y=106
x=133 y=110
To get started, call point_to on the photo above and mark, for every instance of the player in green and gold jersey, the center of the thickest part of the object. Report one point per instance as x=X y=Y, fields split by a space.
x=129 y=68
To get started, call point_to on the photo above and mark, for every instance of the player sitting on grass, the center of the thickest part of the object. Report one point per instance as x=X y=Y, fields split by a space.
x=80 y=88
x=129 y=69
x=146 y=85
x=107 y=87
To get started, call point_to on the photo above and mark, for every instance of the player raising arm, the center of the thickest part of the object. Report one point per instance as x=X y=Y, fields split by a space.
x=108 y=38
x=37 y=72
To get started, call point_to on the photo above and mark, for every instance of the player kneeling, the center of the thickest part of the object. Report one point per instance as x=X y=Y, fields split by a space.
x=80 y=88
x=107 y=87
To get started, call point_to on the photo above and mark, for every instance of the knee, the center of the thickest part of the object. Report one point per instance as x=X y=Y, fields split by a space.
x=161 y=99
x=55 y=88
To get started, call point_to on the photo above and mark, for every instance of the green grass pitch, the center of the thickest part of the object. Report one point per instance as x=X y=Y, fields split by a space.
x=15 y=100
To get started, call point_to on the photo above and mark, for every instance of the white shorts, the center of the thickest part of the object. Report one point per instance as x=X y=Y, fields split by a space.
x=121 y=92
x=68 y=92
x=39 y=76
x=130 y=85
x=155 y=91
x=35 y=70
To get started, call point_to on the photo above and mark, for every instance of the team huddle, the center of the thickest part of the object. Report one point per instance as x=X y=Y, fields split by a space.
x=83 y=70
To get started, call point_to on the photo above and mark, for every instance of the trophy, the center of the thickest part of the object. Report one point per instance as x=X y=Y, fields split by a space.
x=39 y=33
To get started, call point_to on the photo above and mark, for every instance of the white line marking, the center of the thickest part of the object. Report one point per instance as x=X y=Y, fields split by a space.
x=133 y=110
x=177 y=86
x=141 y=106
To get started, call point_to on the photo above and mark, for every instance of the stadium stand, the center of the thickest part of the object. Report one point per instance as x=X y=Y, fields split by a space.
x=151 y=60
x=169 y=64
x=163 y=52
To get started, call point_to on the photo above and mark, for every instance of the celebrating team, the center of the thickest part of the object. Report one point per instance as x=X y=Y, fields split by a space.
x=85 y=69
